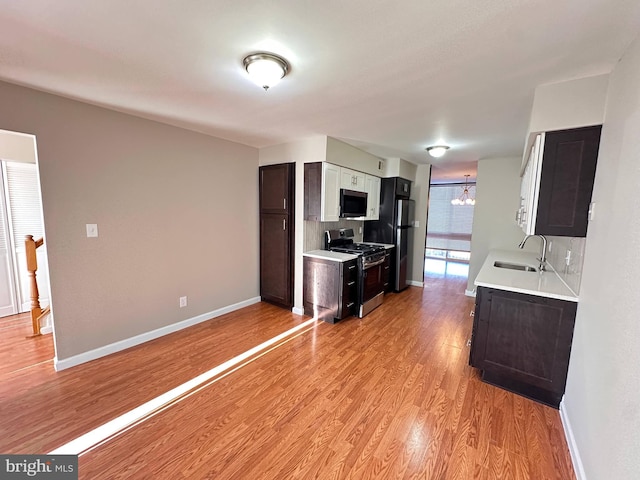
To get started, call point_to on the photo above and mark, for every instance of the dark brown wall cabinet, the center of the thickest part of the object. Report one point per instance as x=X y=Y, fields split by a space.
x=566 y=181
x=277 y=184
x=330 y=288
x=522 y=342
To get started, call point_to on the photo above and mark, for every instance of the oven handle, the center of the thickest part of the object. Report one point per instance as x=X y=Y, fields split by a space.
x=369 y=265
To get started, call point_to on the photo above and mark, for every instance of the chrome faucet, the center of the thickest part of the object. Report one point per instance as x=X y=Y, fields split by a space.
x=543 y=254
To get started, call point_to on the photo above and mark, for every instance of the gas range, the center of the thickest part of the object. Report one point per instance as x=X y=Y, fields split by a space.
x=371 y=259
x=342 y=241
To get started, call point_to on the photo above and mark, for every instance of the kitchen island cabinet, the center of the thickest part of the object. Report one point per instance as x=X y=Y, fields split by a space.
x=330 y=285
x=522 y=327
x=522 y=342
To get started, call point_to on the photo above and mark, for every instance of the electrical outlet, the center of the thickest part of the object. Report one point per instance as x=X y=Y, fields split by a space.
x=92 y=230
x=550 y=245
x=568 y=258
x=359 y=229
x=183 y=302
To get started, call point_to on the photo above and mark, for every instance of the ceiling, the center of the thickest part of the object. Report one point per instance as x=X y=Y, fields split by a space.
x=390 y=77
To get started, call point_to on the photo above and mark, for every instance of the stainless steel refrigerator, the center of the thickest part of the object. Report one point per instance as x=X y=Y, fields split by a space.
x=394 y=226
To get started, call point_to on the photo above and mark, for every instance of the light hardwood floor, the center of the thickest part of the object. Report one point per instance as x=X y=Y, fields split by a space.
x=387 y=396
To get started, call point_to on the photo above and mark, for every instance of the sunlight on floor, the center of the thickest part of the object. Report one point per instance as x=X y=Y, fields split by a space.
x=444 y=268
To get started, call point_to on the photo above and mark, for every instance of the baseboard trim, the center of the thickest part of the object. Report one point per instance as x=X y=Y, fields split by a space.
x=145 y=337
x=46 y=330
x=470 y=293
x=415 y=283
x=298 y=310
x=578 y=468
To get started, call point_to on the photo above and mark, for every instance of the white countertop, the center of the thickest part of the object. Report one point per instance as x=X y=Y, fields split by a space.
x=544 y=284
x=328 y=255
x=388 y=246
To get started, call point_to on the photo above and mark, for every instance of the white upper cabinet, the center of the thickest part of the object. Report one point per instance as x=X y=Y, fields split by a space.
x=372 y=187
x=530 y=187
x=330 y=192
x=352 y=180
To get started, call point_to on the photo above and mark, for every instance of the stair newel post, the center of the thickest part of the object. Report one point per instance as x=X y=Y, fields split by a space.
x=32 y=266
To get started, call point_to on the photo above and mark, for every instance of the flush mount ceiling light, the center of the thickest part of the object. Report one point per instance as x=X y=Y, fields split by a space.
x=465 y=198
x=437 y=150
x=265 y=69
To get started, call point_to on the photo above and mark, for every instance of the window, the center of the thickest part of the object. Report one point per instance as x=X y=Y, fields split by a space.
x=449 y=226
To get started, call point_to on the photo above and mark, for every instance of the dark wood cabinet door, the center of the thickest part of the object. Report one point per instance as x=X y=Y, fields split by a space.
x=524 y=338
x=566 y=182
x=277 y=186
x=275 y=264
x=276 y=191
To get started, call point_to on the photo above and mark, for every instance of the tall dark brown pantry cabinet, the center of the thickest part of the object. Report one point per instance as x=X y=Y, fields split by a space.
x=277 y=187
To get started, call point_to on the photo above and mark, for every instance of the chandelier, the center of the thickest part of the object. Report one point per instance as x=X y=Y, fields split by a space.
x=465 y=198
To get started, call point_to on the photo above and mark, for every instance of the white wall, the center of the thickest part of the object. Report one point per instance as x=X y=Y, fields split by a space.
x=17 y=147
x=398 y=167
x=602 y=400
x=497 y=199
x=570 y=104
x=312 y=149
x=345 y=155
x=160 y=195
x=419 y=193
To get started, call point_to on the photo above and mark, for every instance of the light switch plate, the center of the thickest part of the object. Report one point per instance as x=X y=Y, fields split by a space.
x=92 y=230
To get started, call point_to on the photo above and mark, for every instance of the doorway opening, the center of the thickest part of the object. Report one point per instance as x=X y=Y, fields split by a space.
x=449 y=227
x=21 y=215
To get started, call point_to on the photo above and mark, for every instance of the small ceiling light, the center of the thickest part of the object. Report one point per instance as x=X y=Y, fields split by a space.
x=265 y=69
x=437 y=150
x=465 y=198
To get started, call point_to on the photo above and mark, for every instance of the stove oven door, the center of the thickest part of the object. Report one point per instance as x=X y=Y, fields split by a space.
x=372 y=287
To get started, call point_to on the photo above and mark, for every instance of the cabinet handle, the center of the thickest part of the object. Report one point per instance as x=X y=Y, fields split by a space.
x=350 y=283
x=284 y=203
x=284 y=224
x=352 y=267
x=349 y=305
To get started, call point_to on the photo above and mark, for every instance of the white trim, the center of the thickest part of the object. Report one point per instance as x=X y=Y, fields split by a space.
x=298 y=310
x=46 y=330
x=145 y=337
x=415 y=283
x=571 y=442
x=470 y=293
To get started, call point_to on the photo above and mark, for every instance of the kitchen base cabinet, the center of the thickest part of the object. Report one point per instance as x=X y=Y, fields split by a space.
x=330 y=288
x=522 y=342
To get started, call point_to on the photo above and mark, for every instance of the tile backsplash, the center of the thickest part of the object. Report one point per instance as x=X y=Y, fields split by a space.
x=314 y=232
x=557 y=257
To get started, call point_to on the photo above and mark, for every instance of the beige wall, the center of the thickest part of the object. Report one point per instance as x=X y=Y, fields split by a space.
x=160 y=196
x=398 y=167
x=602 y=404
x=497 y=199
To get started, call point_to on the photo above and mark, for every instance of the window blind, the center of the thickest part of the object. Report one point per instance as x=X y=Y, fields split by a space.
x=449 y=226
x=24 y=201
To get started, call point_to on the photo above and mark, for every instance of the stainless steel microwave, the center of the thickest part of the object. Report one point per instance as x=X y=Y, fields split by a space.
x=352 y=204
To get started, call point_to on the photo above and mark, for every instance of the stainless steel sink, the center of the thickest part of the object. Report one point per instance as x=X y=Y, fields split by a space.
x=514 y=266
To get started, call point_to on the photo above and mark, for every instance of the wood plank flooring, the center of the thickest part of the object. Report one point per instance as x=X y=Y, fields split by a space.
x=387 y=396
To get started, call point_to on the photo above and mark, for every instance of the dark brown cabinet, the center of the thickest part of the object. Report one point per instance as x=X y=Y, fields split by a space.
x=386 y=271
x=566 y=181
x=523 y=342
x=330 y=288
x=276 y=193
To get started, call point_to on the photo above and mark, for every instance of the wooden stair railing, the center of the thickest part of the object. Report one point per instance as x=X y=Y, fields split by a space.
x=32 y=265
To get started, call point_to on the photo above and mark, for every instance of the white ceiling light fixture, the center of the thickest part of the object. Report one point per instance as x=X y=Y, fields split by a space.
x=437 y=150
x=265 y=69
x=465 y=198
